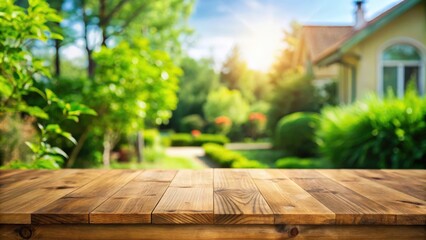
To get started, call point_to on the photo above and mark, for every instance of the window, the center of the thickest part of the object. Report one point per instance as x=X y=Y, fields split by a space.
x=402 y=65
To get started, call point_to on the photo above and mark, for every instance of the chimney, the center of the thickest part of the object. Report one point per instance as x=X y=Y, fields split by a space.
x=359 y=15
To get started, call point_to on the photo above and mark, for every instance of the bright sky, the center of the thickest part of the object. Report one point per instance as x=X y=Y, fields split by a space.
x=257 y=25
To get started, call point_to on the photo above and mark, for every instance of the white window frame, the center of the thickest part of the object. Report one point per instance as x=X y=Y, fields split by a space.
x=400 y=64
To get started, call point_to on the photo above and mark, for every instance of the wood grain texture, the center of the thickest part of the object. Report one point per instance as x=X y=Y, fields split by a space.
x=18 y=209
x=156 y=176
x=407 y=209
x=288 y=201
x=349 y=206
x=184 y=232
x=237 y=199
x=221 y=196
x=400 y=180
x=76 y=206
x=188 y=200
x=135 y=202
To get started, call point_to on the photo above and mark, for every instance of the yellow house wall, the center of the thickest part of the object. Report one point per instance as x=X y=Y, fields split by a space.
x=411 y=25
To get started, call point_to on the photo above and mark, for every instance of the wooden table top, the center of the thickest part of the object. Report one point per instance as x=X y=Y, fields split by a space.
x=213 y=196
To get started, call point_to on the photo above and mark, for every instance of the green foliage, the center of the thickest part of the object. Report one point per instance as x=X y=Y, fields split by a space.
x=301 y=163
x=20 y=72
x=181 y=139
x=197 y=81
x=296 y=134
x=150 y=137
x=228 y=158
x=18 y=68
x=266 y=156
x=376 y=133
x=134 y=83
x=294 y=93
x=192 y=122
x=229 y=103
x=233 y=70
x=210 y=138
x=184 y=139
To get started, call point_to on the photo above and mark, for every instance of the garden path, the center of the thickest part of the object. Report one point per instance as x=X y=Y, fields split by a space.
x=194 y=153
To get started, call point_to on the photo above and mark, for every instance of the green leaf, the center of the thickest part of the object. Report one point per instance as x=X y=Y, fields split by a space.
x=5 y=88
x=54 y=128
x=34 y=111
x=68 y=136
x=36 y=90
x=58 y=151
x=34 y=148
x=50 y=96
x=73 y=118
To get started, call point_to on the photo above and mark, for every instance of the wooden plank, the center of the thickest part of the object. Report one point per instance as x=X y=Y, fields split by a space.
x=76 y=206
x=19 y=184
x=135 y=202
x=184 y=232
x=237 y=199
x=349 y=206
x=188 y=200
x=407 y=209
x=288 y=201
x=411 y=185
x=18 y=209
x=156 y=176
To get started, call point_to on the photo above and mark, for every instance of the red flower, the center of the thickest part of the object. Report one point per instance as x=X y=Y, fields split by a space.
x=257 y=117
x=195 y=133
x=222 y=120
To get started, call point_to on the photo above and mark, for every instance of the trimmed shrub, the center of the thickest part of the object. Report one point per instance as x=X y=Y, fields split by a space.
x=294 y=162
x=191 y=122
x=181 y=139
x=295 y=134
x=376 y=133
x=184 y=139
x=210 y=138
x=227 y=158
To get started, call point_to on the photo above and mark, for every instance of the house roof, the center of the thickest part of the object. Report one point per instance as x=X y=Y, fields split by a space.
x=335 y=50
x=319 y=38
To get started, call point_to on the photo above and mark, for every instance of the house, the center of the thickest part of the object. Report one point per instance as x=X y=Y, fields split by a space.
x=386 y=53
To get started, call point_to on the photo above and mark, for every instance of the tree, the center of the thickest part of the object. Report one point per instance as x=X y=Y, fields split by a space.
x=284 y=62
x=294 y=93
x=233 y=70
x=229 y=103
x=120 y=19
x=197 y=81
x=134 y=86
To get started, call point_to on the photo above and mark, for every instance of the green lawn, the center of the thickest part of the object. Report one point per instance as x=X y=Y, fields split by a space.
x=167 y=162
x=270 y=157
x=266 y=156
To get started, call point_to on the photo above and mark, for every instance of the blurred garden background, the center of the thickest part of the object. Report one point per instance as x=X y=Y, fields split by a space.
x=153 y=84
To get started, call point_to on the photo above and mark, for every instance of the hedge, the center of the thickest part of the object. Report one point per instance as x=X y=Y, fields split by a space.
x=227 y=158
x=295 y=162
x=184 y=139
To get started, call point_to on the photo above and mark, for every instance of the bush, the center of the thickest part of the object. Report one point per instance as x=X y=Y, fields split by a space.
x=228 y=158
x=210 y=138
x=293 y=93
x=294 y=162
x=184 y=139
x=191 y=122
x=296 y=134
x=376 y=133
x=181 y=139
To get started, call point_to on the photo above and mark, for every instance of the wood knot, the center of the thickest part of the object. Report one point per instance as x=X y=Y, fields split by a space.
x=25 y=232
x=293 y=232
